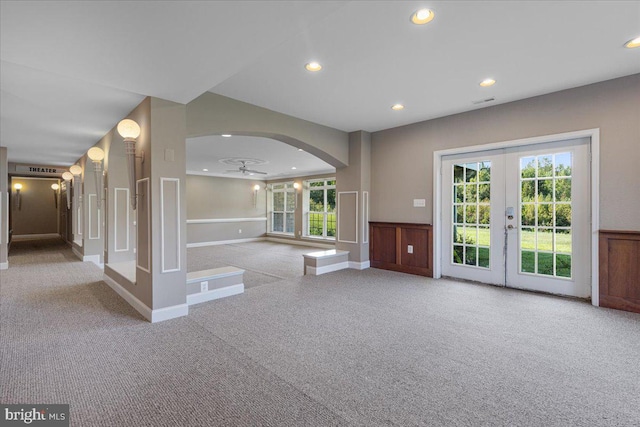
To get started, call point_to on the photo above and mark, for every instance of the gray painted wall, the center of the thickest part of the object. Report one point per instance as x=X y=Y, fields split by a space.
x=210 y=197
x=212 y=114
x=402 y=158
x=4 y=206
x=357 y=177
x=38 y=213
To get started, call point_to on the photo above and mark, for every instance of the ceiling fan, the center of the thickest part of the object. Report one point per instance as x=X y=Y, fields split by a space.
x=244 y=170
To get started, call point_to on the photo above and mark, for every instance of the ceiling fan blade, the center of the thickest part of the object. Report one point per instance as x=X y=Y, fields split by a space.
x=254 y=171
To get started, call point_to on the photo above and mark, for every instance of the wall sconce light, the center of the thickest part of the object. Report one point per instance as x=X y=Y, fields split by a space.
x=55 y=188
x=296 y=187
x=17 y=186
x=68 y=176
x=96 y=155
x=76 y=171
x=130 y=131
x=256 y=188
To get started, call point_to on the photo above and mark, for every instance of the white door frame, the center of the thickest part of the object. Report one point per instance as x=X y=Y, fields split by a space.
x=593 y=134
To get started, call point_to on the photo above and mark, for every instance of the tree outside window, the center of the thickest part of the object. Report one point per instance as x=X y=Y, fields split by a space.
x=321 y=211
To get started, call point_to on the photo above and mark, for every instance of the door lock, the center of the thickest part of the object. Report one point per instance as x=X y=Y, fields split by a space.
x=510 y=212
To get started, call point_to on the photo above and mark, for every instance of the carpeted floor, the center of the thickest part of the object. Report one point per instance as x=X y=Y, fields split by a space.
x=263 y=262
x=347 y=348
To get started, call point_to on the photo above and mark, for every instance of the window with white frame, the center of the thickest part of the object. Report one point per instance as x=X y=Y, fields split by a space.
x=320 y=207
x=283 y=203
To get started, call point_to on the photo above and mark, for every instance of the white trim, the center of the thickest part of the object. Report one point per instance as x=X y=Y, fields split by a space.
x=225 y=220
x=168 y=313
x=91 y=237
x=4 y=265
x=128 y=297
x=359 y=265
x=87 y=258
x=34 y=236
x=224 y=242
x=316 y=271
x=79 y=215
x=595 y=216
x=147 y=196
x=593 y=134
x=94 y=259
x=6 y=229
x=332 y=253
x=77 y=253
x=365 y=217
x=153 y=316
x=162 y=208
x=214 y=294
x=301 y=242
x=115 y=219
x=338 y=217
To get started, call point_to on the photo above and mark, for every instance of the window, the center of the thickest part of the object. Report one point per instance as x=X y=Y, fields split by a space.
x=320 y=204
x=283 y=204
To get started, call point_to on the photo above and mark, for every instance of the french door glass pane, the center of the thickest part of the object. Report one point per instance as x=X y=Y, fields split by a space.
x=545 y=215
x=471 y=214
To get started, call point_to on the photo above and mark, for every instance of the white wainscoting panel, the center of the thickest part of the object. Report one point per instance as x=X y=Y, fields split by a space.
x=94 y=218
x=120 y=219
x=170 y=224
x=347 y=200
x=143 y=251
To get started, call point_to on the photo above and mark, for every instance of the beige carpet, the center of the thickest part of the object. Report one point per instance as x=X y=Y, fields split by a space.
x=348 y=348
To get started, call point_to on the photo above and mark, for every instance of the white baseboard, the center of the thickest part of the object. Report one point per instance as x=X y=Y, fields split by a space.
x=4 y=265
x=87 y=258
x=359 y=265
x=316 y=271
x=301 y=243
x=153 y=316
x=215 y=294
x=167 y=313
x=94 y=259
x=77 y=253
x=224 y=242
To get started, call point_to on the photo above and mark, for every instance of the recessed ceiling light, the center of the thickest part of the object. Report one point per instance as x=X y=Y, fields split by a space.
x=300 y=149
x=487 y=82
x=632 y=43
x=397 y=107
x=422 y=16
x=313 y=66
x=205 y=170
x=293 y=167
x=226 y=135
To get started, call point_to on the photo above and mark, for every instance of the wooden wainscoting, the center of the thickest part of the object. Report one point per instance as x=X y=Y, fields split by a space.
x=389 y=247
x=620 y=270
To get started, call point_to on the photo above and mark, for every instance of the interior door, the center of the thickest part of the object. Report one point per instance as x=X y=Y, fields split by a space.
x=519 y=217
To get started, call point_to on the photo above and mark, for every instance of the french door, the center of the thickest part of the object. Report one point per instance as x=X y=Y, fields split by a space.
x=519 y=217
